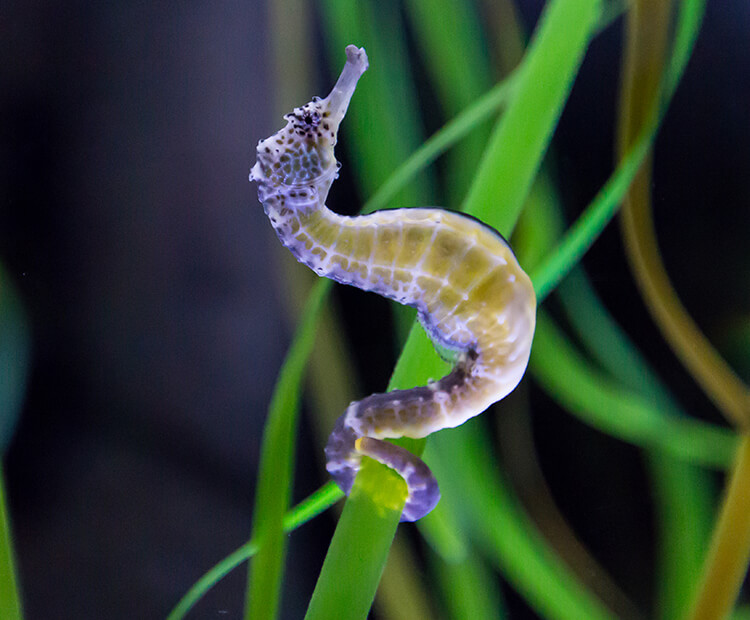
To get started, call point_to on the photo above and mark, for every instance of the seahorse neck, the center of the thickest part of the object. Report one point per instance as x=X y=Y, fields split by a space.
x=304 y=224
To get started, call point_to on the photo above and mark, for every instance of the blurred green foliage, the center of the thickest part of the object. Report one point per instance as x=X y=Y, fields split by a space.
x=582 y=358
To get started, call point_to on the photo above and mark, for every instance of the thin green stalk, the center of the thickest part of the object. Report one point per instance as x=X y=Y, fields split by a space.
x=469 y=589
x=683 y=497
x=522 y=135
x=10 y=601
x=549 y=68
x=596 y=216
x=308 y=509
x=442 y=140
x=275 y=472
x=440 y=27
x=603 y=403
x=726 y=565
x=359 y=548
x=360 y=544
x=502 y=531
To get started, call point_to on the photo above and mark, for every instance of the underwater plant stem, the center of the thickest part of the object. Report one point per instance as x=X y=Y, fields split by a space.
x=522 y=135
x=320 y=501
x=275 y=472
x=646 y=33
x=10 y=602
x=729 y=554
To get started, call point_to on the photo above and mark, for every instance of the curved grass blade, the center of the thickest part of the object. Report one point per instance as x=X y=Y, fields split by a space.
x=602 y=403
x=443 y=139
x=596 y=216
x=441 y=27
x=308 y=509
x=275 y=471
x=717 y=379
x=383 y=117
x=15 y=353
x=10 y=601
x=500 y=528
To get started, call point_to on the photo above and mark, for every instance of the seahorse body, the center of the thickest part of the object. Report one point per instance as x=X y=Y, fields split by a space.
x=472 y=297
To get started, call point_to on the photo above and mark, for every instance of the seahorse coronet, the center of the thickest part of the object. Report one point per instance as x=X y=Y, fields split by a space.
x=473 y=298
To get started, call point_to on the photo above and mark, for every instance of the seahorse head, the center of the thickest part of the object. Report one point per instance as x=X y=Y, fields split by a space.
x=302 y=152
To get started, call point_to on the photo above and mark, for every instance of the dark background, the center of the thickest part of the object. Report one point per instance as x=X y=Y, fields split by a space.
x=145 y=265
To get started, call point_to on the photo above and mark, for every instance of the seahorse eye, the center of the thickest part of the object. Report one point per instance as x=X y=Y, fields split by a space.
x=308 y=119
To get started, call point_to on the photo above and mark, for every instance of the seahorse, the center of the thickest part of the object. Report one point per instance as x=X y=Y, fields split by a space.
x=472 y=297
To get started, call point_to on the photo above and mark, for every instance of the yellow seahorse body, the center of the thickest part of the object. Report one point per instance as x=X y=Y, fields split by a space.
x=472 y=296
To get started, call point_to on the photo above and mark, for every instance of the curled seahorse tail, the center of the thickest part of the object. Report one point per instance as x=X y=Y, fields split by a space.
x=424 y=493
x=343 y=460
x=473 y=298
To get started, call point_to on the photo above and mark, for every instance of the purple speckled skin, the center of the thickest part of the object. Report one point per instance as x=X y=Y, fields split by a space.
x=343 y=463
x=472 y=297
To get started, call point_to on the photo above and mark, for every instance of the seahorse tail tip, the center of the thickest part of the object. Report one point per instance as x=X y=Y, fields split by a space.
x=421 y=501
x=423 y=491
